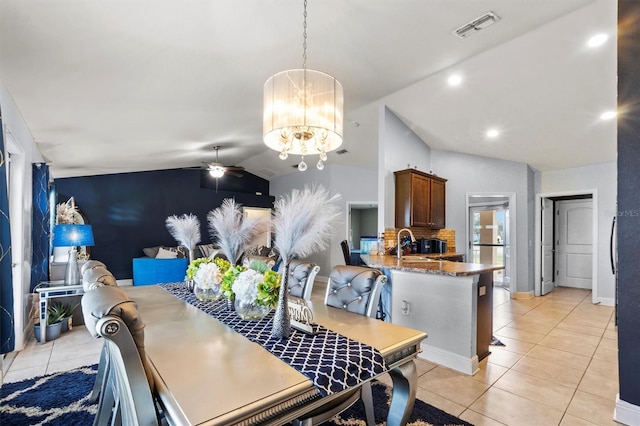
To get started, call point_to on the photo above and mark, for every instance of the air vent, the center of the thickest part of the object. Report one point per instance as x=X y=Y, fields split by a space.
x=476 y=25
x=267 y=173
x=342 y=151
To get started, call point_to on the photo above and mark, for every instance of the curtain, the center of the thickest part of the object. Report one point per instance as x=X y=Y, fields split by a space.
x=41 y=229
x=7 y=338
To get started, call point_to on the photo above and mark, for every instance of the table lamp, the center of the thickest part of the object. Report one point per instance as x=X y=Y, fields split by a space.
x=72 y=236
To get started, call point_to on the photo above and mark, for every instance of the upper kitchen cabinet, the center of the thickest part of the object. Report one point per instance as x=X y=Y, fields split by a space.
x=420 y=200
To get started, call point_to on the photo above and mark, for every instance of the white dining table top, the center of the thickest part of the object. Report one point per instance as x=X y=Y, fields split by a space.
x=207 y=373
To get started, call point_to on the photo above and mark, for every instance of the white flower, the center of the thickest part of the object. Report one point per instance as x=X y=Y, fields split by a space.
x=208 y=275
x=245 y=286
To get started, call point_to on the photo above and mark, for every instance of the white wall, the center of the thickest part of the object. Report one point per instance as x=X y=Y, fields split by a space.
x=602 y=178
x=470 y=173
x=399 y=148
x=27 y=154
x=354 y=184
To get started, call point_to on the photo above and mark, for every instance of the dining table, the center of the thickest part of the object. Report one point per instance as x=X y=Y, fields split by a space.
x=208 y=373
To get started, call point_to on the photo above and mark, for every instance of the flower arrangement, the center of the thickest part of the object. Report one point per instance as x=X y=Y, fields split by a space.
x=229 y=278
x=256 y=289
x=208 y=276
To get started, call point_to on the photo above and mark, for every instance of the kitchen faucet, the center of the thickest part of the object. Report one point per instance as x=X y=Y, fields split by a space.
x=399 y=249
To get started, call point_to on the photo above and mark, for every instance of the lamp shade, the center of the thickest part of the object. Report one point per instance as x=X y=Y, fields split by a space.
x=302 y=112
x=72 y=235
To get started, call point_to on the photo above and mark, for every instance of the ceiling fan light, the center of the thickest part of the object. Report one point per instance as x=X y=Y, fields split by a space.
x=216 y=172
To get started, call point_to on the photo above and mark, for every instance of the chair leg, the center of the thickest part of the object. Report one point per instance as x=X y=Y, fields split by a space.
x=100 y=376
x=367 y=399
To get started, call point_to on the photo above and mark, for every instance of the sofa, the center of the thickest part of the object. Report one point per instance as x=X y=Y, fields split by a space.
x=160 y=264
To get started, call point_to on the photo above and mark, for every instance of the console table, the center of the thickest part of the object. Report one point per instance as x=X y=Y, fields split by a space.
x=49 y=290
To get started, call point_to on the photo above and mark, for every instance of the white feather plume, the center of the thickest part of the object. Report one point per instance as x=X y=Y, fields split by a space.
x=232 y=231
x=304 y=221
x=185 y=229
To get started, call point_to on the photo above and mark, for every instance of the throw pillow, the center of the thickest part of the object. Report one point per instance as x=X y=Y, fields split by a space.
x=180 y=251
x=208 y=250
x=166 y=254
x=151 y=251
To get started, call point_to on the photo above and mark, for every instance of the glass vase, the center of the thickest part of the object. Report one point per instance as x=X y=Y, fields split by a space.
x=251 y=310
x=207 y=293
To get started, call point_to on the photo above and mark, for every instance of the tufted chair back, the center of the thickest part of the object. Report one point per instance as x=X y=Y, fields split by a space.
x=301 y=277
x=355 y=288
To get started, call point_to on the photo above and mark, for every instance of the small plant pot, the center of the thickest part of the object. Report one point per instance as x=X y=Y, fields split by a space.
x=52 y=331
x=66 y=324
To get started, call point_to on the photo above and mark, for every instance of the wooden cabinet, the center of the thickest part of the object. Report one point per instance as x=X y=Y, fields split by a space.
x=420 y=200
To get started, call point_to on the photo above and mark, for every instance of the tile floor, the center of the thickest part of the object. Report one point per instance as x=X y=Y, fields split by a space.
x=559 y=365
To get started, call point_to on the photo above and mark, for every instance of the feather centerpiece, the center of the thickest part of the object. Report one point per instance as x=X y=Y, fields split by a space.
x=186 y=231
x=232 y=230
x=303 y=221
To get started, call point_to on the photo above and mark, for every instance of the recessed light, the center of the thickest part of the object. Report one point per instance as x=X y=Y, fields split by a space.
x=597 y=40
x=493 y=133
x=608 y=115
x=454 y=80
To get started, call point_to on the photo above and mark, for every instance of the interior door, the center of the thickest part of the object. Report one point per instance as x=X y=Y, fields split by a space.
x=546 y=246
x=574 y=239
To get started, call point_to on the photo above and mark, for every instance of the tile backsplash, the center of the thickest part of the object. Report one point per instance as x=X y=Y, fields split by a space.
x=449 y=235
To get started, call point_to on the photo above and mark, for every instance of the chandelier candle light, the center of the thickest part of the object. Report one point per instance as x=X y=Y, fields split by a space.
x=303 y=111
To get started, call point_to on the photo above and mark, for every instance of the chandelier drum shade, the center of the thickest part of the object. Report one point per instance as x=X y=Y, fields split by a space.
x=303 y=113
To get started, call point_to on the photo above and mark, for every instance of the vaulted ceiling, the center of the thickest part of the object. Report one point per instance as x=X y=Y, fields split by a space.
x=119 y=86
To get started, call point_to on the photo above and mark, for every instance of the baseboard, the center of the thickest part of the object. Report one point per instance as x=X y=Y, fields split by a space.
x=626 y=413
x=522 y=295
x=449 y=359
x=606 y=301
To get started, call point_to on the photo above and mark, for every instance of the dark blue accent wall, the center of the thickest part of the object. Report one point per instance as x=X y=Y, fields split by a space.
x=628 y=218
x=128 y=210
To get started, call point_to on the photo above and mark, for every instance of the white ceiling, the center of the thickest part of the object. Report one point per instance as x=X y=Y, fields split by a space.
x=117 y=86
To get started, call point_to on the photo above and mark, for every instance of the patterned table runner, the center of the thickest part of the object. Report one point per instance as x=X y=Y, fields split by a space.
x=330 y=360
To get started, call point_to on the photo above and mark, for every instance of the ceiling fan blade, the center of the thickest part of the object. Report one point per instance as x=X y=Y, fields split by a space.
x=234 y=168
x=232 y=173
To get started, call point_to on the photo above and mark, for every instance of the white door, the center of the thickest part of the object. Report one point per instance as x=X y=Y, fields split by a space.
x=546 y=246
x=574 y=239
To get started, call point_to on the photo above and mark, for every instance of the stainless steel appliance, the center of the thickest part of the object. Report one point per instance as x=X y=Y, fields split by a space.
x=438 y=245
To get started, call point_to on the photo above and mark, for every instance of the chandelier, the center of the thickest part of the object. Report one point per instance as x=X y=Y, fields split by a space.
x=303 y=111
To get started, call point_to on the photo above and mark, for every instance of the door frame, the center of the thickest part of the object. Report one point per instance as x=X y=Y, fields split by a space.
x=350 y=205
x=594 y=243
x=513 y=255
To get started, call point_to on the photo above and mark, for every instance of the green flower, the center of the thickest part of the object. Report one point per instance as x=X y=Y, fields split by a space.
x=269 y=289
x=228 y=278
x=192 y=269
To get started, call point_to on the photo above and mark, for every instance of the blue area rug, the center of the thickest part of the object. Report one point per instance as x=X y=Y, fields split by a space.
x=62 y=399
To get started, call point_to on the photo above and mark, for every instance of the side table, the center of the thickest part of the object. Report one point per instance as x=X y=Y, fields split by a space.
x=49 y=290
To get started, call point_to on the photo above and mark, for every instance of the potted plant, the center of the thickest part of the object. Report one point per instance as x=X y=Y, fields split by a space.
x=65 y=312
x=53 y=329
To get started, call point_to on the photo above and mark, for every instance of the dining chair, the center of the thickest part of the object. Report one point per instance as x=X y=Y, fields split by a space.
x=346 y=252
x=301 y=278
x=126 y=396
x=355 y=289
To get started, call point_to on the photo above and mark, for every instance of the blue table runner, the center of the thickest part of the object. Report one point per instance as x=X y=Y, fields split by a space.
x=333 y=362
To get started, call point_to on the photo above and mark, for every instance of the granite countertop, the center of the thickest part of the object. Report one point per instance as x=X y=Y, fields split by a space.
x=428 y=264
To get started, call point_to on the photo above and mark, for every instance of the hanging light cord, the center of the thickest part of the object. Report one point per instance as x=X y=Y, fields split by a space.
x=304 y=37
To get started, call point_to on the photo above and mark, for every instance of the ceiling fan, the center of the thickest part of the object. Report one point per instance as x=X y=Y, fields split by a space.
x=217 y=169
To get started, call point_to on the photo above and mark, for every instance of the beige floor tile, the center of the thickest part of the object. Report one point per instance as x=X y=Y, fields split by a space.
x=34 y=358
x=16 y=375
x=520 y=334
x=536 y=389
x=478 y=419
x=70 y=364
x=549 y=370
x=592 y=408
x=606 y=353
x=65 y=352
x=457 y=387
x=581 y=329
x=422 y=365
x=535 y=325
x=498 y=322
x=503 y=357
x=610 y=334
x=569 y=341
x=601 y=379
x=437 y=401
x=513 y=345
x=514 y=410
x=489 y=372
x=560 y=357
x=569 y=420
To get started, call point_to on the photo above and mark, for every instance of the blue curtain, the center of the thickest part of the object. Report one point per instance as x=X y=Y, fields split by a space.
x=7 y=338
x=41 y=229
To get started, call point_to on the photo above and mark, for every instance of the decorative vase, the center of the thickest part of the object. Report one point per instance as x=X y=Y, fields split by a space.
x=250 y=310
x=190 y=285
x=207 y=293
x=231 y=303
x=281 y=328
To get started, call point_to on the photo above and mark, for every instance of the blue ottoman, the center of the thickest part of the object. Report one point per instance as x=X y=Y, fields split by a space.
x=148 y=270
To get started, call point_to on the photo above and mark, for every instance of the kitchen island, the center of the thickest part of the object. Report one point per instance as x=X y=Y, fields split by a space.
x=451 y=301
